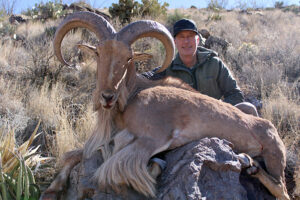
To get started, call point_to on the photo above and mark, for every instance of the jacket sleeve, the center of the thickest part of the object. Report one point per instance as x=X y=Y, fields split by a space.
x=152 y=75
x=228 y=85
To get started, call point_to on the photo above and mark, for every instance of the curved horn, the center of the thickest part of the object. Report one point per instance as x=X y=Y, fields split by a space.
x=88 y=20
x=149 y=28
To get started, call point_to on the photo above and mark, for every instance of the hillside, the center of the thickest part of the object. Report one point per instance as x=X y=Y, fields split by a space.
x=263 y=53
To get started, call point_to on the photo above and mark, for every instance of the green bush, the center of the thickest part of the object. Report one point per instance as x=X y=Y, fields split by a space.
x=174 y=17
x=43 y=11
x=217 y=4
x=292 y=8
x=2 y=14
x=279 y=4
x=125 y=10
x=153 y=8
x=7 y=29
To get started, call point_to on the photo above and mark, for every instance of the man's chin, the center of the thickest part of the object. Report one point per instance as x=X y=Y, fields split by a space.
x=187 y=53
x=187 y=50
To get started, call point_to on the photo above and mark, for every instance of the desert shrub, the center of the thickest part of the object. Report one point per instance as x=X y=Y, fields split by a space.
x=2 y=14
x=152 y=8
x=278 y=4
x=174 y=17
x=293 y=8
x=50 y=31
x=47 y=10
x=7 y=29
x=125 y=10
x=217 y=4
x=40 y=62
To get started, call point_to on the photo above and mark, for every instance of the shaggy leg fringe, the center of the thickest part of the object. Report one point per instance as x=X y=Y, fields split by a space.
x=129 y=167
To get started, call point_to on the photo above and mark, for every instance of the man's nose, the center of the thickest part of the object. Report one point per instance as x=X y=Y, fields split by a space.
x=186 y=39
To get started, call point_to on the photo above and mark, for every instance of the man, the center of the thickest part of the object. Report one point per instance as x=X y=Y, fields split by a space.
x=201 y=68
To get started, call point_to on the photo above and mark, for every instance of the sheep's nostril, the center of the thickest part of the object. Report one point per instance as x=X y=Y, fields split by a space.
x=107 y=97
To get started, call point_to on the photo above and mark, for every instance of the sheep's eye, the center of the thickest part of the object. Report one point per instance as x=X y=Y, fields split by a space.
x=129 y=60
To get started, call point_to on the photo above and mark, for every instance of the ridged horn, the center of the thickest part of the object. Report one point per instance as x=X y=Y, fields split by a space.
x=91 y=21
x=149 y=28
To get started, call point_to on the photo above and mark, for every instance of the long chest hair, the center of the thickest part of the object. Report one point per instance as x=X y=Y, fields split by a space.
x=105 y=130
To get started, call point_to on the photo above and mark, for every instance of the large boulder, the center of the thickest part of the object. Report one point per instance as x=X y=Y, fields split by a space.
x=205 y=169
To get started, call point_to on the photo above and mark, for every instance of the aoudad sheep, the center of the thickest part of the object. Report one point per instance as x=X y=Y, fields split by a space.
x=138 y=118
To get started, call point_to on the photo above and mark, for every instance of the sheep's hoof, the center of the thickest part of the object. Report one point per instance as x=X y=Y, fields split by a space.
x=252 y=167
x=162 y=164
x=252 y=170
x=156 y=166
x=244 y=160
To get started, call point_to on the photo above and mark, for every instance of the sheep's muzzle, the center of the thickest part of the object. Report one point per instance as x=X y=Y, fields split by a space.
x=108 y=99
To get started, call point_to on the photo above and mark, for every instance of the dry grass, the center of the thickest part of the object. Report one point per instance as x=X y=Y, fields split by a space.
x=282 y=108
x=264 y=57
x=12 y=109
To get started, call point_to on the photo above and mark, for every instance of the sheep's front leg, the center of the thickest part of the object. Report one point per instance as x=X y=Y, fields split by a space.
x=70 y=159
x=254 y=169
x=128 y=166
x=121 y=140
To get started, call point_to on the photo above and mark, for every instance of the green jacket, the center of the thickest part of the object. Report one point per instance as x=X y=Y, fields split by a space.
x=209 y=76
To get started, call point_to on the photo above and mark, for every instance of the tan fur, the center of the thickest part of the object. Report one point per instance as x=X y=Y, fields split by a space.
x=121 y=140
x=193 y=116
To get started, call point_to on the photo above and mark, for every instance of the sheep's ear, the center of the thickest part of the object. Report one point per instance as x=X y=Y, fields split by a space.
x=87 y=48
x=138 y=56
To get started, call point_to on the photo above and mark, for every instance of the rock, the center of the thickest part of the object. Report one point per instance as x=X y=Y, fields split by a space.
x=205 y=33
x=205 y=169
x=16 y=19
x=213 y=41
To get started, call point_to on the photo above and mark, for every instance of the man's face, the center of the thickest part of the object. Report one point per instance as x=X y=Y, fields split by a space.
x=186 y=43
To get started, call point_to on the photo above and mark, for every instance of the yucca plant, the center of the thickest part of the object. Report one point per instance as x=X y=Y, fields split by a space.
x=16 y=177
